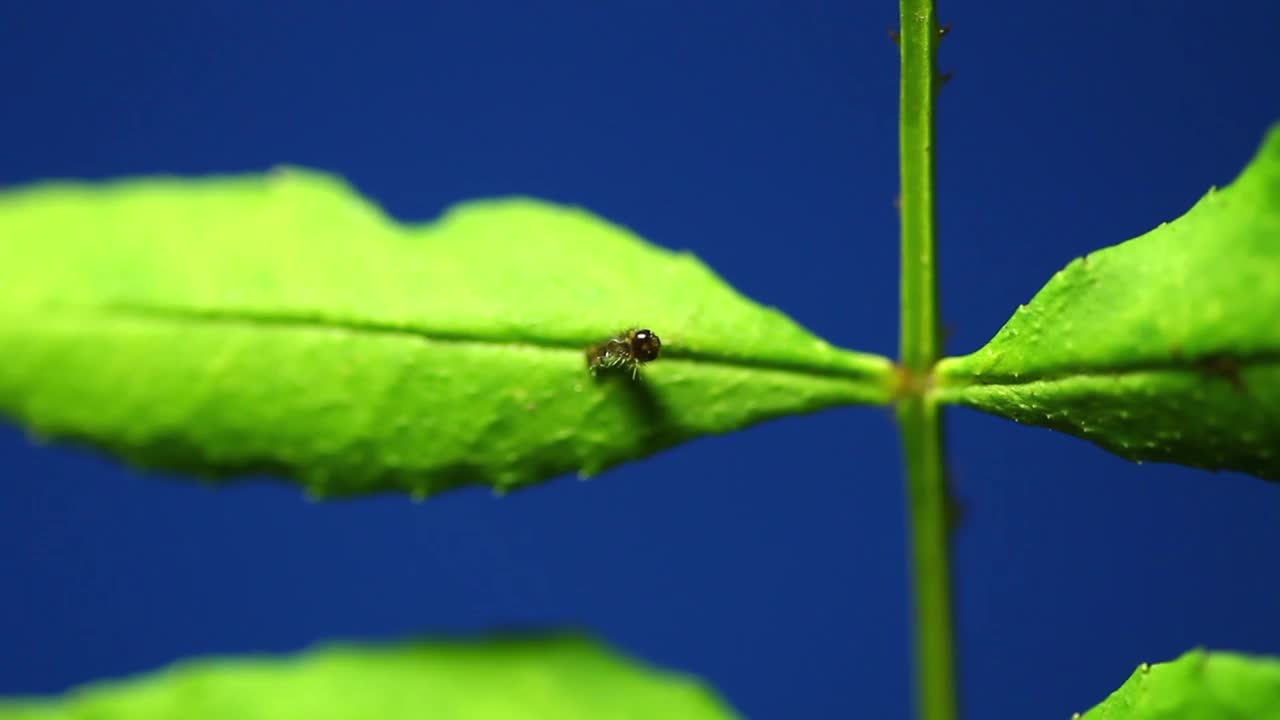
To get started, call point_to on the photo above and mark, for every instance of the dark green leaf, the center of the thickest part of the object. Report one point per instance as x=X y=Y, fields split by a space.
x=564 y=678
x=283 y=324
x=1166 y=347
x=1197 y=686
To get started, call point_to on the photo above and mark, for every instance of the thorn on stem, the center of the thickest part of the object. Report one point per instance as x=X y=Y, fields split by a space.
x=895 y=36
x=943 y=31
x=941 y=81
x=957 y=512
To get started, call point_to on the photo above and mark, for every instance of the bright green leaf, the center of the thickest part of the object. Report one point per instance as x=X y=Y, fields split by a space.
x=1197 y=685
x=1166 y=347
x=280 y=323
x=562 y=678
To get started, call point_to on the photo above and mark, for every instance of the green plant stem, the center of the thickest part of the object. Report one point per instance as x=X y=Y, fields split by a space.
x=918 y=415
x=921 y=425
x=919 y=273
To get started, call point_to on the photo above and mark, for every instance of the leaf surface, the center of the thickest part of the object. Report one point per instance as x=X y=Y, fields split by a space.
x=281 y=323
x=1166 y=347
x=559 y=678
x=1199 y=684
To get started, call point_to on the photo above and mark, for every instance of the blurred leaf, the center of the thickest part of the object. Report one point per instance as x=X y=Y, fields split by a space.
x=1166 y=347
x=1197 y=686
x=558 y=678
x=283 y=324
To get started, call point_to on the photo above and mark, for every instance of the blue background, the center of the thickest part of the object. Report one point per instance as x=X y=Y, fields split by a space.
x=762 y=136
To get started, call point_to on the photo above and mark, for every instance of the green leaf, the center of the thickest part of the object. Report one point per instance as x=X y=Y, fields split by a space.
x=281 y=323
x=1197 y=685
x=1166 y=347
x=558 y=678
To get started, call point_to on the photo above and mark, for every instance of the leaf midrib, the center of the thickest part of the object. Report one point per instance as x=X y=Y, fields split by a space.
x=262 y=319
x=1199 y=366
